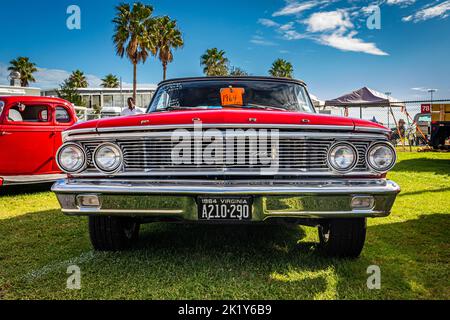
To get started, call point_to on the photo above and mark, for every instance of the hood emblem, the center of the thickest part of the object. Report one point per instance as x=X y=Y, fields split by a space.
x=252 y=119
x=306 y=121
x=145 y=121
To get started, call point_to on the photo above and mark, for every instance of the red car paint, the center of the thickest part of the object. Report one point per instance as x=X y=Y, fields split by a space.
x=227 y=116
x=27 y=148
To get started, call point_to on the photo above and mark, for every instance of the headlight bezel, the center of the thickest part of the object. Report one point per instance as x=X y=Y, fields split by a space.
x=83 y=153
x=333 y=148
x=372 y=147
x=113 y=146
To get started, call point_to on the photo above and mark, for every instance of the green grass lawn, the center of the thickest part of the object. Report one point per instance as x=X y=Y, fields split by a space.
x=412 y=248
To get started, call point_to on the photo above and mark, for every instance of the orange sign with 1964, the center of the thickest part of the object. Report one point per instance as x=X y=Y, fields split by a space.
x=232 y=96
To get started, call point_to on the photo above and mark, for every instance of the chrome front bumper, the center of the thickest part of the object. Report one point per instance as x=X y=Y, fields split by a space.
x=31 y=179
x=272 y=199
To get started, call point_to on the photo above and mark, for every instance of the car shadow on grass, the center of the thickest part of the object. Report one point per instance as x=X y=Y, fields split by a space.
x=177 y=261
x=24 y=189
x=438 y=166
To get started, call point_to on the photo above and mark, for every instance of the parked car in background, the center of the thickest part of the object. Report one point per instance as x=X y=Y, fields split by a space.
x=30 y=135
x=440 y=126
x=228 y=150
x=423 y=122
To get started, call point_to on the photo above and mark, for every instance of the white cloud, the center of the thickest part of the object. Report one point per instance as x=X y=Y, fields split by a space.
x=423 y=89
x=326 y=21
x=4 y=73
x=400 y=2
x=268 y=23
x=334 y=29
x=368 y=10
x=293 y=35
x=52 y=78
x=286 y=30
x=295 y=8
x=350 y=43
x=287 y=26
x=331 y=28
x=434 y=11
x=261 y=41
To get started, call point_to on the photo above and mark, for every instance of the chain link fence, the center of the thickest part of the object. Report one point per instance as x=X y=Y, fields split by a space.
x=412 y=117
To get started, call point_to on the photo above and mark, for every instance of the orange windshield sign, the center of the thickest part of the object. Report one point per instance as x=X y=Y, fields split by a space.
x=232 y=96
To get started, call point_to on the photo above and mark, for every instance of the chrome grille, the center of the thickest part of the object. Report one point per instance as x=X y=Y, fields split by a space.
x=155 y=154
x=297 y=153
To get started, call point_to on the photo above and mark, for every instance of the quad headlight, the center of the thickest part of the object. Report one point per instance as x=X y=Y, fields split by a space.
x=381 y=157
x=342 y=157
x=108 y=158
x=71 y=158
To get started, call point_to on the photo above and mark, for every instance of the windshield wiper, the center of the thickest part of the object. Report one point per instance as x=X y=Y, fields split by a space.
x=175 y=108
x=255 y=106
x=249 y=106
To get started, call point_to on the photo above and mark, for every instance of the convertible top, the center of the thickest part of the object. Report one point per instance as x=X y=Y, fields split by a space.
x=233 y=78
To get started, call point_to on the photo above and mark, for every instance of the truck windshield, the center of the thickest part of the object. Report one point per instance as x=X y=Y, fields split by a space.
x=251 y=94
x=2 y=105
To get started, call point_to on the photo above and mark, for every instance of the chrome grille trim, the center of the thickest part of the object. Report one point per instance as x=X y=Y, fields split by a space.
x=301 y=153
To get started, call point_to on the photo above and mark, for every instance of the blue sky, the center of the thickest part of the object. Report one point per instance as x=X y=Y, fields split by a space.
x=328 y=42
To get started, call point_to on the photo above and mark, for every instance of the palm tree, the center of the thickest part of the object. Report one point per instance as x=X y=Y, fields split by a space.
x=110 y=81
x=26 y=68
x=215 y=63
x=131 y=34
x=166 y=36
x=78 y=79
x=281 y=68
x=237 y=72
x=70 y=93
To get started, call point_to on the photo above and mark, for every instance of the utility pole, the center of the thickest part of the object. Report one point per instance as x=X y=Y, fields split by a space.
x=121 y=94
x=431 y=91
x=388 y=113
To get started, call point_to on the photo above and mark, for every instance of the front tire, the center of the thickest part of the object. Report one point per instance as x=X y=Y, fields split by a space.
x=343 y=238
x=113 y=233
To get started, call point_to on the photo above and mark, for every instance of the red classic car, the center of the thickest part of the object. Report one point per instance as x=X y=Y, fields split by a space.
x=228 y=150
x=30 y=135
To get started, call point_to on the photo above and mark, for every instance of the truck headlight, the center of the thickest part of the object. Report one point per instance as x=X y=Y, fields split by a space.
x=108 y=157
x=381 y=157
x=342 y=157
x=71 y=158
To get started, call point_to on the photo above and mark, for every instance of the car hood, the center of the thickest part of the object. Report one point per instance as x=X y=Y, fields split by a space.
x=227 y=116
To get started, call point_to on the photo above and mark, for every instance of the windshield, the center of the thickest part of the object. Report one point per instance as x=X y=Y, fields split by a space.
x=2 y=105
x=425 y=118
x=254 y=94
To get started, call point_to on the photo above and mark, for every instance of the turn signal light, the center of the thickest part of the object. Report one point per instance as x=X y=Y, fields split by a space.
x=90 y=201
x=363 y=202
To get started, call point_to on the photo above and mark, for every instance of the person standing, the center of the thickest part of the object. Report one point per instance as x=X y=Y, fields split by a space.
x=131 y=110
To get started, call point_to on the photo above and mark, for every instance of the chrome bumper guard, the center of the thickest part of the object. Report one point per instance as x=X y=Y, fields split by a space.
x=272 y=199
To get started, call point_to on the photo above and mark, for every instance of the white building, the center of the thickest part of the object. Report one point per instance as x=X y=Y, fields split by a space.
x=19 y=91
x=111 y=100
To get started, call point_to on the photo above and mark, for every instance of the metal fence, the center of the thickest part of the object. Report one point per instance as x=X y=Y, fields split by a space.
x=417 y=123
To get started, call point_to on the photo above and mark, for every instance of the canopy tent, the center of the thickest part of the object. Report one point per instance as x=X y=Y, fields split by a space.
x=364 y=97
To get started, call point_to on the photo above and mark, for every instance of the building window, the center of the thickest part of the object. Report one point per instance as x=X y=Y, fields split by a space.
x=96 y=101
x=86 y=101
x=108 y=101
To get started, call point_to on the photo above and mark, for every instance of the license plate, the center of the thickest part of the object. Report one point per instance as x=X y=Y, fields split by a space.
x=225 y=208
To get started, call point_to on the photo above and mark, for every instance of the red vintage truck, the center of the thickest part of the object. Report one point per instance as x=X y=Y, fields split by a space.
x=30 y=135
x=228 y=150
